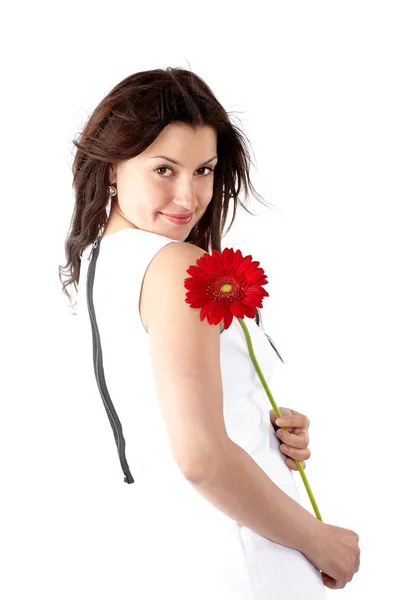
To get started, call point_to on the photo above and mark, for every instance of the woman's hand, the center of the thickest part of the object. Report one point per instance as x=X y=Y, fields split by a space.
x=294 y=441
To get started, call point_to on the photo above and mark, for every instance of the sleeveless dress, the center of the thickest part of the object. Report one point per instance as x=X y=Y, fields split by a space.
x=158 y=537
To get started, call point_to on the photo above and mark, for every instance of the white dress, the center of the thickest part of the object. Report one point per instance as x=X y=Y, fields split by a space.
x=158 y=538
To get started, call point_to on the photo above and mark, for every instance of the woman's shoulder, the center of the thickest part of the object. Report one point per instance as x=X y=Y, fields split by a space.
x=164 y=277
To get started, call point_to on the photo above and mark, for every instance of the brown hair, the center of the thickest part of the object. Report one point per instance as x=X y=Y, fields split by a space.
x=124 y=124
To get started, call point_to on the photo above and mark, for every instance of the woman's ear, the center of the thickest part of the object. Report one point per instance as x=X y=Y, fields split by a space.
x=111 y=175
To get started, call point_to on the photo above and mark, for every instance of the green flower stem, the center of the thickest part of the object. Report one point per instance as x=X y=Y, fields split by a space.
x=277 y=413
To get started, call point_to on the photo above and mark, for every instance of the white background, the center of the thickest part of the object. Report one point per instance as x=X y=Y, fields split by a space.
x=316 y=88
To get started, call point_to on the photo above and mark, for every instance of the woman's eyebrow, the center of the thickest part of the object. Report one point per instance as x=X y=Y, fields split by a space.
x=178 y=163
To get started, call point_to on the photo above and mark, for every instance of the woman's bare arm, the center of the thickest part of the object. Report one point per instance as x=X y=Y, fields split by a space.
x=185 y=354
x=233 y=482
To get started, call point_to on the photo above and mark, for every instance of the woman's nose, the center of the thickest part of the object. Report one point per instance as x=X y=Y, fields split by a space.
x=186 y=198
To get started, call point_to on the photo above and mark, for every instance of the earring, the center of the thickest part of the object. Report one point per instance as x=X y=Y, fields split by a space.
x=112 y=190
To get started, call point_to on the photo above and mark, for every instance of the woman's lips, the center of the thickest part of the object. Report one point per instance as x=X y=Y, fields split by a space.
x=178 y=220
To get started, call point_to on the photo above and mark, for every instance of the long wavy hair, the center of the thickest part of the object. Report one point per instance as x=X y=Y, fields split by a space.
x=128 y=119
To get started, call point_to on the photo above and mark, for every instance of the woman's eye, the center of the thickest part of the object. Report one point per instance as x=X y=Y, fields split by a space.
x=168 y=168
x=159 y=168
x=209 y=168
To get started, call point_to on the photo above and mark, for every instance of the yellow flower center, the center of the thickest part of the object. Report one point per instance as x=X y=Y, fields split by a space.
x=226 y=287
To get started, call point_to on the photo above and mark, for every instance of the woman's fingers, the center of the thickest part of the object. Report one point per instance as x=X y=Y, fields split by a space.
x=296 y=440
x=295 y=453
x=292 y=464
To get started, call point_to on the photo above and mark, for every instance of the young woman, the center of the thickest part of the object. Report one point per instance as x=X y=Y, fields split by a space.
x=213 y=511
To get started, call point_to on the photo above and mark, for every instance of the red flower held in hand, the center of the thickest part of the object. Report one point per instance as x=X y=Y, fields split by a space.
x=225 y=285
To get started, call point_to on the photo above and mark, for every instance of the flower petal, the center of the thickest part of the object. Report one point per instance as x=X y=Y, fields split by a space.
x=243 y=267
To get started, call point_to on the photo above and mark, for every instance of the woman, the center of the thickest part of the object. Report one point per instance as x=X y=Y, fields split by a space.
x=214 y=511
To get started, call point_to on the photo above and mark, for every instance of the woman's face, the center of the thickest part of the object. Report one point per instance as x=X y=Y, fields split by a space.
x=148 y=186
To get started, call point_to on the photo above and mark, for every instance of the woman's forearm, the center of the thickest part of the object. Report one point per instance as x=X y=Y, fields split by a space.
x=233 y=482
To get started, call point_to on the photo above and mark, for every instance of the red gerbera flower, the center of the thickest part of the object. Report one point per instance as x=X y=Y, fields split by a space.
x=225 y=285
